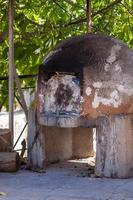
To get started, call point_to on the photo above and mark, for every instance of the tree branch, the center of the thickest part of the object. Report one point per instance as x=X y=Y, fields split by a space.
x=106 y=8
x=33 y=22
x=128 y=10
x=78 y=21
x=74 y=4
x=61 y=7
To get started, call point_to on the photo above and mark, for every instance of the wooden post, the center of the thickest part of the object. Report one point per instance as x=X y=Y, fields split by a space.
x=11 y=67
x=114 y=153
x=88 y=15
x=9 y=161
x=5 y=140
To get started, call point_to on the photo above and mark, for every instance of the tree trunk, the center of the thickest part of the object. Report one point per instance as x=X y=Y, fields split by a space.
x=114 y=157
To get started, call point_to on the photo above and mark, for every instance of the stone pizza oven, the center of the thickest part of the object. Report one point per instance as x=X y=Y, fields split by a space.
x=85 y=82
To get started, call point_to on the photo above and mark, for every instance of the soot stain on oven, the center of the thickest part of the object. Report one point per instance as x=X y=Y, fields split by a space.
x=63 y=95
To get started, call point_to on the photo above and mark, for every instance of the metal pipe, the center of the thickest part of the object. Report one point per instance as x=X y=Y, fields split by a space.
x=20 y=135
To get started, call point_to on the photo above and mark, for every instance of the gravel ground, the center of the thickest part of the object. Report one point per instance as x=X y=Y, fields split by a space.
x=66 y=181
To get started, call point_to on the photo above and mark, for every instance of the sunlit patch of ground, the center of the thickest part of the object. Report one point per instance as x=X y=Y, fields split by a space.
x=76 y=167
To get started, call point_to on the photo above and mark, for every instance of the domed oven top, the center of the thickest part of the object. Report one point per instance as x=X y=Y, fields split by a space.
x=85 y=76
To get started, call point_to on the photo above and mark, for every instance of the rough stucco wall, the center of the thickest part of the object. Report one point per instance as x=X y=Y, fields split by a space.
x=58 y=143
x=66 y=143
x=110 y=91
x=82 y=140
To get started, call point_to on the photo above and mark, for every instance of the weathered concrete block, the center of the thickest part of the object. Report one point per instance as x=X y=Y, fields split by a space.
x=114 y=157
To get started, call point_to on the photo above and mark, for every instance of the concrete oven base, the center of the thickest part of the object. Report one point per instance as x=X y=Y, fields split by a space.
x=66 y=143
x=114 y=156
x=53 y=144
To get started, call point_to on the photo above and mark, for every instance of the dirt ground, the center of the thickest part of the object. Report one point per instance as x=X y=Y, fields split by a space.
x=66 y=181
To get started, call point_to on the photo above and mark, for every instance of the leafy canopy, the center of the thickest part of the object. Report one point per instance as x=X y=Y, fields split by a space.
x=40 y=24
